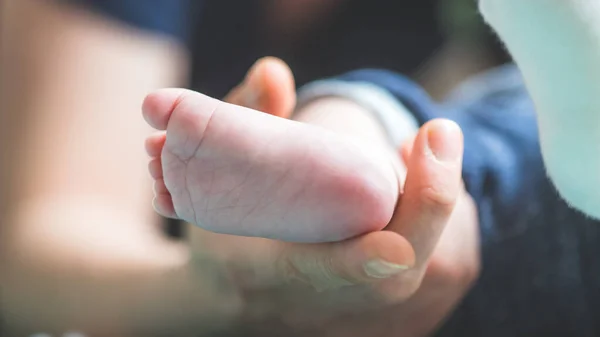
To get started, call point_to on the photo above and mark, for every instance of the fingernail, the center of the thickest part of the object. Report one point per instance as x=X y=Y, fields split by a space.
x=444 y=139
x=383 y=269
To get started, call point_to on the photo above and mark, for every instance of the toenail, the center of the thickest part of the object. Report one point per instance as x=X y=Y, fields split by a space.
x=155 y=206
x=383 y=269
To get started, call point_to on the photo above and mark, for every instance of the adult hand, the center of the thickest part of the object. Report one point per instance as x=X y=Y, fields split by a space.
x=415 y=271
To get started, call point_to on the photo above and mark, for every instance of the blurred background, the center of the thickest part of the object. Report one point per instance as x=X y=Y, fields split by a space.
x=437 y=42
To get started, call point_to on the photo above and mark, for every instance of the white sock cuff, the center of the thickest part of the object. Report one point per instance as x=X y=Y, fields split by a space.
x=393 y=116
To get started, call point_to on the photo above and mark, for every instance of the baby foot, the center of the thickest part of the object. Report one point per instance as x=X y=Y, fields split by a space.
x=234 y=170
x=556 y=45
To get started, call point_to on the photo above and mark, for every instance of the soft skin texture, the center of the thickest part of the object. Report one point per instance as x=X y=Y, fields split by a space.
x=556 y=44
x=237 y=171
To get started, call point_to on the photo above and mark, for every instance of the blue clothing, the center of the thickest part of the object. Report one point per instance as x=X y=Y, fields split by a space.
x=540 y=276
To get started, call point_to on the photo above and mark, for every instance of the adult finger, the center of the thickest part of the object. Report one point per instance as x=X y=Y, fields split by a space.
x=268 y=87
x=360 y=261
x=433 y=184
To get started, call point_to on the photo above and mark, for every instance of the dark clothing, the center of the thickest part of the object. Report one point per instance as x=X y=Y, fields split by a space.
x=540 y=274
x=225 y=37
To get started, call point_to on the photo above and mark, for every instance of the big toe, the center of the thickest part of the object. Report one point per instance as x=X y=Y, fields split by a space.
x=159 y=105
x=184 y=114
